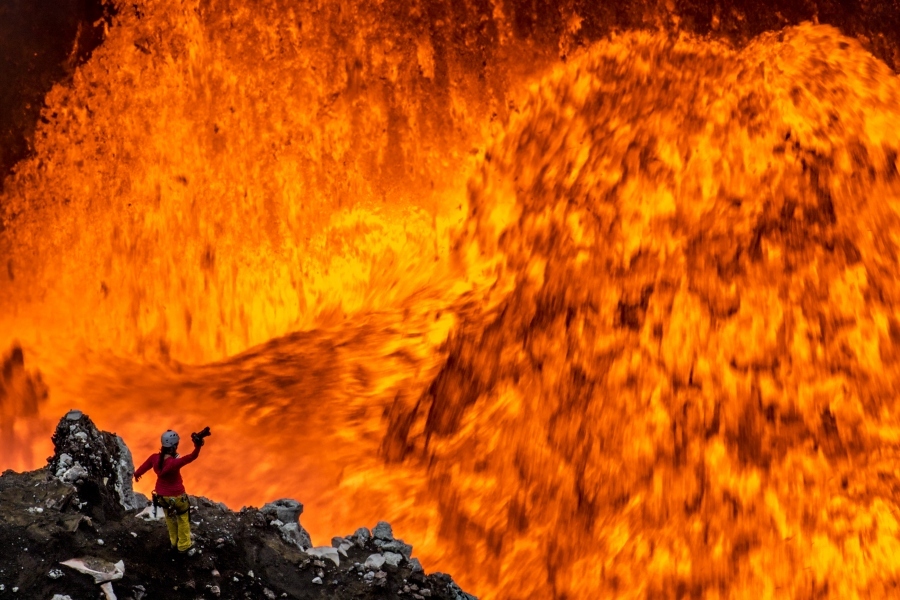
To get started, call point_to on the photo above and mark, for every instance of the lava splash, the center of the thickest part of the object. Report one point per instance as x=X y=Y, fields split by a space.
x=683 y=380
x=658 y=357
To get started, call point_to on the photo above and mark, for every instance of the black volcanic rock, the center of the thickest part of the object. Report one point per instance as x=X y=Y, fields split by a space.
x=83 y=508
x=99 y=464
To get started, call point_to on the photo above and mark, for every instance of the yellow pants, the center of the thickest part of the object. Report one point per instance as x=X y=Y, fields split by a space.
x=178 y=520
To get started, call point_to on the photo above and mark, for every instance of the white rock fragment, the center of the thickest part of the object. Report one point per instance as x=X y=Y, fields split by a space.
x=108 y=590
x=250 y=574
x=214 y=590
x=101 y=570
x=149 y=514
x=100 y=542
x=369 y=576
x=374 y=562
x=344 y=547
x=317 y=580
x=55 y=574
x=325 y=552
x=73 y=474
x=392 y=558
x=61 y=597
x=133 y=534
x=35 y=509
x=65 y=461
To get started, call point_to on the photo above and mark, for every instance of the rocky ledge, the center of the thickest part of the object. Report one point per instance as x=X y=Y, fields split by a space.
x=76 y=530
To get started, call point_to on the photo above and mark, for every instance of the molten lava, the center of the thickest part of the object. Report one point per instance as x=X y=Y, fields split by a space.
x=643 y=344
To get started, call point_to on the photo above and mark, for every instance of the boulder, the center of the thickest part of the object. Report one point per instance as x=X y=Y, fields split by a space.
x=392 y=558
x=395 y=546
x=286 y=510
x=382 y=531
x=361 y=536
x=97 y=463
x=325 y=552
x=285 y=514
x=374 y=562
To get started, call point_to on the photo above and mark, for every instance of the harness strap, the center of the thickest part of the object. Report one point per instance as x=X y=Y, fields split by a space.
x=170 y=504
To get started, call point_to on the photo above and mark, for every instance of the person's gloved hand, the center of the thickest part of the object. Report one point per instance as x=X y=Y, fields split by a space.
x=137 y=477
x=198 y=442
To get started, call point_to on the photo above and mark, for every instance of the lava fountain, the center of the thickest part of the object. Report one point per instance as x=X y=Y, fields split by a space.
x=633 y=337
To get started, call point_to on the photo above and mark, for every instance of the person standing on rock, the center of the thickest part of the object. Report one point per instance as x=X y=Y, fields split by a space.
x=169 y=491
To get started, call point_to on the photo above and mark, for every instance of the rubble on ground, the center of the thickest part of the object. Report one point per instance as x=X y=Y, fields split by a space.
x=80 y=515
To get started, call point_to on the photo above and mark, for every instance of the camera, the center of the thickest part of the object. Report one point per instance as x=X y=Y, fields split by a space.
x=197 y=437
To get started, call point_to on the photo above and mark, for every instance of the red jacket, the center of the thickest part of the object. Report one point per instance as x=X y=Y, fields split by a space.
x=168 y=479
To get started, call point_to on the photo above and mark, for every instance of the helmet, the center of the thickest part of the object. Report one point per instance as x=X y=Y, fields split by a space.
x=170 y=439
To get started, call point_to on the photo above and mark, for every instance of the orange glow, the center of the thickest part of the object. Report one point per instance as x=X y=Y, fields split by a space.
x=623 y=327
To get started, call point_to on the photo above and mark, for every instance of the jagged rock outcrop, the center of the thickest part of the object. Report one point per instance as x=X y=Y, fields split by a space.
x=285 y=515
x=99 y=464
x=74 y=530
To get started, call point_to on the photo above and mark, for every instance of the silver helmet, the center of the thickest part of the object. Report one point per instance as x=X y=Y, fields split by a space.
x=170 y=439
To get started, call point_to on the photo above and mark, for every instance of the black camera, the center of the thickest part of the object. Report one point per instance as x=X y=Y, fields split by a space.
x=197 y=437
